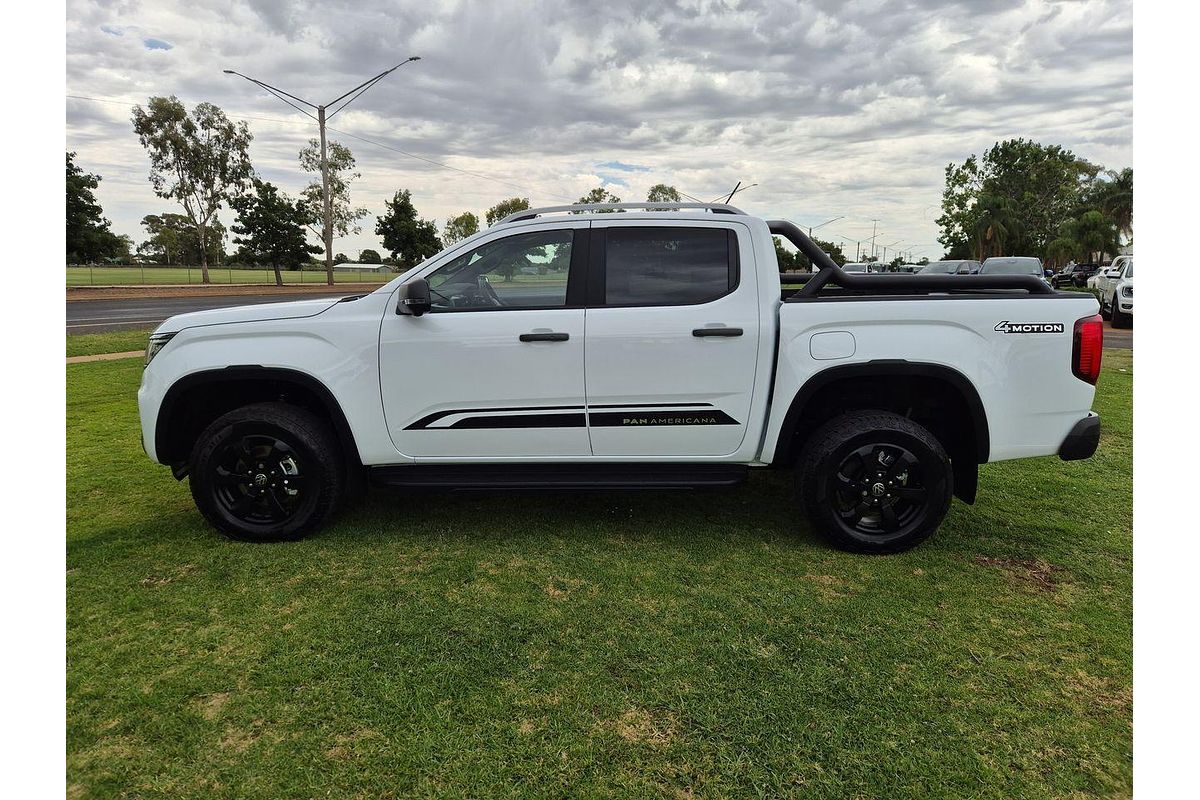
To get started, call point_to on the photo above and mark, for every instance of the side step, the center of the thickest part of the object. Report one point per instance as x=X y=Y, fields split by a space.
x=559 y=476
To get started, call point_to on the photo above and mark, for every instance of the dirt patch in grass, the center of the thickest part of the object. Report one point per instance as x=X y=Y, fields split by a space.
x=210 y=707
x=639 y=726
x=1034 y=572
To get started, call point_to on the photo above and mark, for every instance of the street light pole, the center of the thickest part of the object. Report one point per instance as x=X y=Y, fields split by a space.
x=326 y=198
x=822 y=225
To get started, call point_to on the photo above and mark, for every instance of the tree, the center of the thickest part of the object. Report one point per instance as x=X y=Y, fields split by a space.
x=994 y=223
x=270 y=228
x=1096 y=233
x=369 y=257
x=340 y=167
x=174 y=241
x=411 y=240
x=1115 y=197
x=88 y=236
x=661 y=193
x=834 y=251
x=785 y=257
x=340 y=258
x=598 y=195
x=199 y=160
x=460 y=227
x=1043 y=186
x=1061 y=250
x=505 y=207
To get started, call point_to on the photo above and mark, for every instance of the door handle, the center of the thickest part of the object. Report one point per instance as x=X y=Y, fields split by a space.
x=716 y=332
x=544 y=337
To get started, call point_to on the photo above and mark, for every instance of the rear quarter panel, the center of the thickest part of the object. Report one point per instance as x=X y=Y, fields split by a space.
x=1024 y=379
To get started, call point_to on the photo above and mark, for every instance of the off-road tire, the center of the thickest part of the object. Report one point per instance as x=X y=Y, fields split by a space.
x=826 y=487
x=303 y=470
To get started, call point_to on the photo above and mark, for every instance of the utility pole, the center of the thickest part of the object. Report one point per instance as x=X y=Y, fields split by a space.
x=874 y=223
x=321 y=117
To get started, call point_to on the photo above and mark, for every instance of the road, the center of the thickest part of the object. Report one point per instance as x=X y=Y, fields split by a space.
x=100 y=316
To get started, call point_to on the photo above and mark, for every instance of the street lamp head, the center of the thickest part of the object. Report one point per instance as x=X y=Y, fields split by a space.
x=414 y=58
x=228 y=72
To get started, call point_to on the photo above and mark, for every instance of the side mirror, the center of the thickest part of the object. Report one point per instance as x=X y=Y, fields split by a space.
x=414 y=298
x=1048 y=273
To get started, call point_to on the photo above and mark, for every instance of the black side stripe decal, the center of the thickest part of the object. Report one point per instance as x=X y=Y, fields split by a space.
x=578 y=417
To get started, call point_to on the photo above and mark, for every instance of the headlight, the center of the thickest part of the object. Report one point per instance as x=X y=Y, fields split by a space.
x=157 y=342
x=1127 y=291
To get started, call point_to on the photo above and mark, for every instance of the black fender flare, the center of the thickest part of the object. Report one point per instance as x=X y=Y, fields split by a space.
x=252 y=372
x=885 y=368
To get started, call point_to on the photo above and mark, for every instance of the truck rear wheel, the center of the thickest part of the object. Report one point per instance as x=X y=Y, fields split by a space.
x=874 y=482
x=267 y=472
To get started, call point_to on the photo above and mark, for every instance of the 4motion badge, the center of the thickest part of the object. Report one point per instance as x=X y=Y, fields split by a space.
x=1030 y=327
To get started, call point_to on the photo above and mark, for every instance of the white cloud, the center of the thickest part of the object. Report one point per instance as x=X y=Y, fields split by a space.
x=833 y=108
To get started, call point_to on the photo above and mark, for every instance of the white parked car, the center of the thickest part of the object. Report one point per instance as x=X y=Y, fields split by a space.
x=861 y=267
x=953 y=267
x=1116 y=296
x=881 y=393
x=1111 y=271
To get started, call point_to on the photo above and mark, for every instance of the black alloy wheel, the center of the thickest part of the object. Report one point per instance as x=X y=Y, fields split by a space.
x=874 y=482
x=267 y=472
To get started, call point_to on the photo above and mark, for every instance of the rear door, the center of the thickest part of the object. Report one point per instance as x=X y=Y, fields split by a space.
x=672 y=338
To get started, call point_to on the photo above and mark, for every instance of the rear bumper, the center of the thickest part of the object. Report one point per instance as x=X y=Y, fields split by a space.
x=1083 y=439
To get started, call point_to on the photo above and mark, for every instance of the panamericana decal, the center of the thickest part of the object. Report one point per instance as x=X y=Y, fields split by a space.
x=618 y=416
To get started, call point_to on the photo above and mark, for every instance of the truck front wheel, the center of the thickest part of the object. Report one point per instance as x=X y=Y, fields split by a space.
x=874 y=482
x=266 y=472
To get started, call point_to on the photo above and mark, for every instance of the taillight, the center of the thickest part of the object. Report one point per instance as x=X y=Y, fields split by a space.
x=1088 y=348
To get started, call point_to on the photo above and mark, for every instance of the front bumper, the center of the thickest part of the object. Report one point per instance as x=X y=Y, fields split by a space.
x=1083 y=439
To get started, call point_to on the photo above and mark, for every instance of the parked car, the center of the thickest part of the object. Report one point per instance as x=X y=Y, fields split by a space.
x=862 y=267
x=959 y=267
x=1116 y=296
x=1074 y=275
x=1014 y=265
x=881 y=401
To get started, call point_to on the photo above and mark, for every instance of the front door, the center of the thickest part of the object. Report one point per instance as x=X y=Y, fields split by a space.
x=496 y=369
x=672 y=338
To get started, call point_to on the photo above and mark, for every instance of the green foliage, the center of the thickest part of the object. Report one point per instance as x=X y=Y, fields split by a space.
x=797 y=261
x=662 y=193
x=505 y=207
x=460 y=227
x=174 y=240
x=200 y=160
x=598 y=195
x=411 y=240
x=270 y=229
x=342 y=172
x=1021 y=191
x=341 y=258
x=369 y=256
x=88 y=236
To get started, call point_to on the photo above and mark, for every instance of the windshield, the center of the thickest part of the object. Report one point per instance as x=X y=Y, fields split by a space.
x=855 y=268
x=1012 y=265
x=940 y=268
x=1129 y=268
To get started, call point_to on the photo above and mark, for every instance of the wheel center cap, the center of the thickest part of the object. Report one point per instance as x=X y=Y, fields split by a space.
x=260 y=479
x=878 y=489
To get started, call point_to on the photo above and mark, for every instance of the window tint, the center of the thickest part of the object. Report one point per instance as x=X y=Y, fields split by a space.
x=528 y=270
x=668 y=266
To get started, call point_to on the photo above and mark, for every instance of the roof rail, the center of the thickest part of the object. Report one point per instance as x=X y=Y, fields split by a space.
x=530 y=213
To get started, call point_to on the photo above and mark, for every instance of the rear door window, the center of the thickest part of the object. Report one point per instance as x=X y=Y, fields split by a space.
x=668 y=266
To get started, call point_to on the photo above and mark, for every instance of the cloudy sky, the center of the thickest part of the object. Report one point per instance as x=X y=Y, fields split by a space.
x=833 y=107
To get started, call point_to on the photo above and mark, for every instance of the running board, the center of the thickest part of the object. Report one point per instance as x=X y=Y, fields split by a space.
x=559 y=476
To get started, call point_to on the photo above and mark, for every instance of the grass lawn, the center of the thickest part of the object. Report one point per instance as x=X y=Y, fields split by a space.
x=89 y=344
x=125 y=276
x=623 y=645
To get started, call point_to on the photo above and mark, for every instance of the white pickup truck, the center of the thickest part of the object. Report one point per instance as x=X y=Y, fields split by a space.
x=652 y=349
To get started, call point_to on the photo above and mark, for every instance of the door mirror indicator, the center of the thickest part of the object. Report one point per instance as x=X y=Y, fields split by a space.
x=414 y=298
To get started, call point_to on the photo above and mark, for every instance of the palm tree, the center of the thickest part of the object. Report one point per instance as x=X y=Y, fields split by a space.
x=995 y=224
x=1116 y=199
x=1061 y=249
x=1097 y=233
